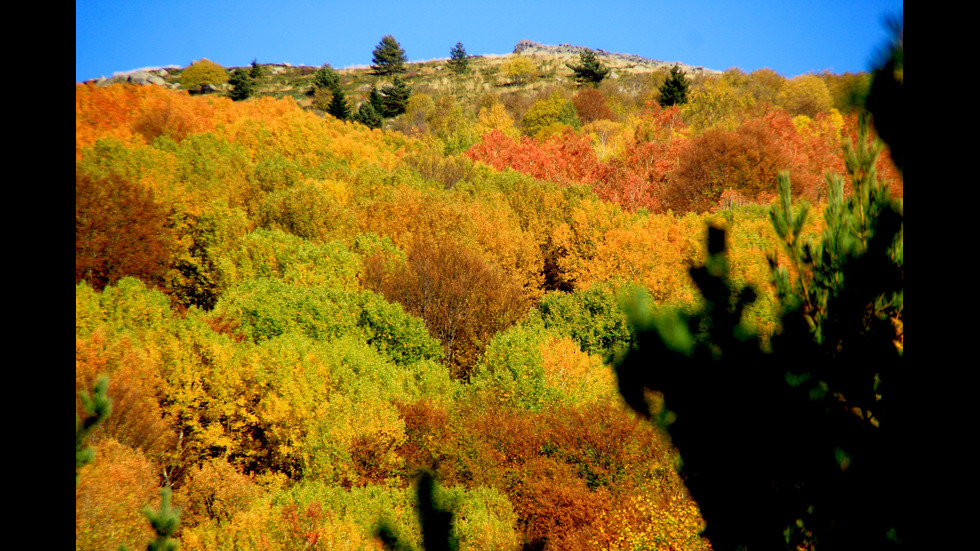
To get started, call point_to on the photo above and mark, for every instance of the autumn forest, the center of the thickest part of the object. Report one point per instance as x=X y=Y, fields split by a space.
x=505 y=277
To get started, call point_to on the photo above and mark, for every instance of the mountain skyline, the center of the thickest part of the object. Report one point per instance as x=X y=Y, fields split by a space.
x=791 y=38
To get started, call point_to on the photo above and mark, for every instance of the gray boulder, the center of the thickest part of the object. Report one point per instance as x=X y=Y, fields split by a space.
x=144 y=77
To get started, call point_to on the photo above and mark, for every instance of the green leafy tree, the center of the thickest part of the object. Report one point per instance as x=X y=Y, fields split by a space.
x=242 y=84
x=458 y=60
x=591 y=317
x=589 y=69
x=203 y=75
x=389 y=57
x=394 y=98
x=674 y=89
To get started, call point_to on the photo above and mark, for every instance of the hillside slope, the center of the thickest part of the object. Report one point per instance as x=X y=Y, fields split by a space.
x=485 y=74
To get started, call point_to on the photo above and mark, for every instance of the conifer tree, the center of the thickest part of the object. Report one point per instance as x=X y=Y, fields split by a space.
x=886 y=98
x=165 y=522
x=97 y=407
x=242 y=84
x=256 y=71
x=394 y=98
x=674 y=89
x=801 y=440
x=338 y=106
x=589 y=69
x=435 y=520
x=376 y=100
x=367 y=116
x=326 y=78
x=389 y=57
x=458 y=60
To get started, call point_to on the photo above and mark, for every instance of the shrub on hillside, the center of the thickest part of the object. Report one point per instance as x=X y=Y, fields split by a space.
x=202 y=76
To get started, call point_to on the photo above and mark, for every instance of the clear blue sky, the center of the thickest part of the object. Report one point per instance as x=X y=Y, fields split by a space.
x=790 y=37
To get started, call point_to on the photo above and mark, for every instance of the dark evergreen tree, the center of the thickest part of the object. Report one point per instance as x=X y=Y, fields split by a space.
x=801 y=440
x=326 y=78
x=376 y=100
x=242 y=84
x=458 y=60
x=589 y=69
x=394 y=98
x=389 y=57
x=256 y=71
x=886 y=99
x=339 y=107
x=368 y=116
x=674 y=89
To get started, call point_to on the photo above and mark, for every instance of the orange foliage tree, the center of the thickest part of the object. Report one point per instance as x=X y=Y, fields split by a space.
x=120 y=230
x=590 y=104
x=745 y=161
x=563 y=469
x=462 y=300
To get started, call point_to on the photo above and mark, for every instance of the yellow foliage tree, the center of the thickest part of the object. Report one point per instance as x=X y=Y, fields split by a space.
x=496 y=117
x=716 y=103
x=805 y=95
x=605 y=134
x=576 y=375
x=548 y=113
x=202 y=75
x=519 y=70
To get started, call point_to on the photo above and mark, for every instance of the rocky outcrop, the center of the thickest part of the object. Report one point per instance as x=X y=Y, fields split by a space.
x=154 y=76
x=145 y=77
x=529 y=47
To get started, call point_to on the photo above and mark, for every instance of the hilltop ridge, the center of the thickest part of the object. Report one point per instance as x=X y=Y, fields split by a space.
x=612 y=59
x=618 y=62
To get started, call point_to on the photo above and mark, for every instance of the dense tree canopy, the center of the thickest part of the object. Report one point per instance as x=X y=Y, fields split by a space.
x=297 y=315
